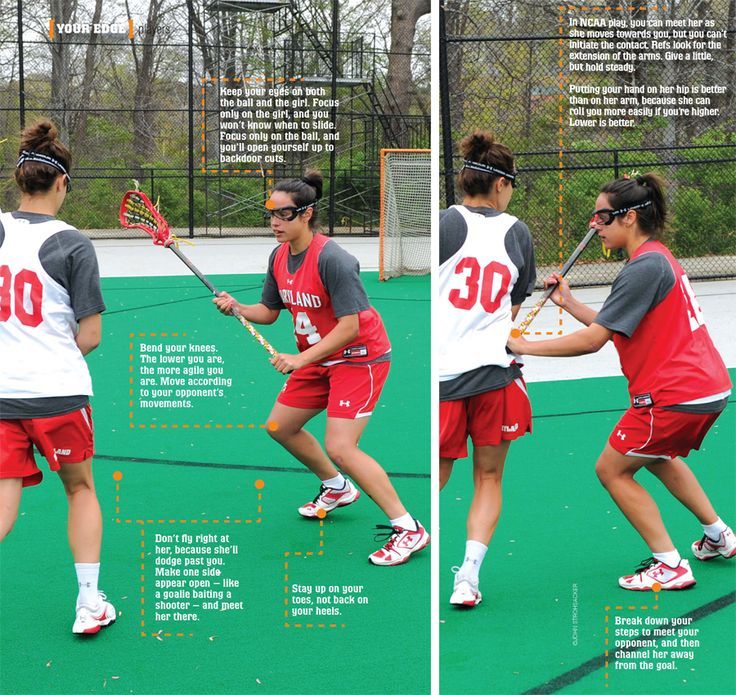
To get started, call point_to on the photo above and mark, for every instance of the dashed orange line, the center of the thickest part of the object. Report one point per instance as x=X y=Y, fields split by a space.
x=158 y=635
x=143 y=578
x=306 y=553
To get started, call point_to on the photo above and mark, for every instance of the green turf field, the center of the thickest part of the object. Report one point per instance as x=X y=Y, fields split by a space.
x=552 y=567
x=195 y=471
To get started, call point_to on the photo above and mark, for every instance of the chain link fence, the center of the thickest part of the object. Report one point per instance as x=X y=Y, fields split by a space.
x=129 y=101
x=504 y=65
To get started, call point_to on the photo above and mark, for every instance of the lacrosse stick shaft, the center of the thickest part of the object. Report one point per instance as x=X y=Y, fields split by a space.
x=519 y=330
x=246 y=324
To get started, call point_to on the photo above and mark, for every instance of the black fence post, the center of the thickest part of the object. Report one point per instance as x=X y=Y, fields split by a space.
x=21 y=70
x=190 y=30
x=333 y=111
x=446 y=117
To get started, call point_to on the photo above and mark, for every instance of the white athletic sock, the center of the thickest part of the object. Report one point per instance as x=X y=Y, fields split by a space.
x=671 y=558
x=336 y=483
x=475 y=552
x=87 y=576
x=714 y=530
x=405 y=521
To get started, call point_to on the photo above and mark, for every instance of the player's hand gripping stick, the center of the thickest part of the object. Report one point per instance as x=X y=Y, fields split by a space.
x=137 y=211
x=519 y=330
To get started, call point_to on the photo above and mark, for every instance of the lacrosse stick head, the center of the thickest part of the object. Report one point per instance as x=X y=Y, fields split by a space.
x=137 y=211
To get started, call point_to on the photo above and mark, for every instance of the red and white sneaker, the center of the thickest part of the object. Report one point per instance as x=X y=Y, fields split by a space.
x=328 y=499
x=90 y=620
x=706 y=548
x=400 y=545
x=465 y=592
x=651 y=572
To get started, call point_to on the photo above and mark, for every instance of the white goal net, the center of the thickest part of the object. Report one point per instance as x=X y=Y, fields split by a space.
x=405 y=213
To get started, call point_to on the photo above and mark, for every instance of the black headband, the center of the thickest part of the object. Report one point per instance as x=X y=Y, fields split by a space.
x=487 y=169
x=30 y=156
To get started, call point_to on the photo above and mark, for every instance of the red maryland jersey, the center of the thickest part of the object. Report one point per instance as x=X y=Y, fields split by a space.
x=305 y=296
x=670 y=358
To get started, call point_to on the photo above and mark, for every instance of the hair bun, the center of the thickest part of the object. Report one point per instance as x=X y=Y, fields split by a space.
x=476 y=145
x=314 y=179
x=39 y=136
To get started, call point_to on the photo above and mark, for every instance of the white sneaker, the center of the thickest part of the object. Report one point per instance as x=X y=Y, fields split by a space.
x=465 y=592
x=90 y=620
x=706 y=548
x=328 y=499
x=401 y=544
x=651 y=572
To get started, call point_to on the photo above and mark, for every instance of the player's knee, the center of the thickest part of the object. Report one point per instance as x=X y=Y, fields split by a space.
x=339 y=449
x=7 y=522
x=280 y=433
x=445 y=471
x=79 y=485
x=604 y=473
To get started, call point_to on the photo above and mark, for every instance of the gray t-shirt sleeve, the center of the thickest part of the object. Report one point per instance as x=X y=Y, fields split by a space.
x=453 y=232
x=270 y=296
x=69 y=258
x=340 y=274
x=639 y=287
x=520 y=247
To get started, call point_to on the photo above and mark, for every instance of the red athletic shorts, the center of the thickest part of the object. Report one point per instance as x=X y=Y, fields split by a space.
x=489 y=418
x=659 y=433
x=67 y=438
x=348 y=391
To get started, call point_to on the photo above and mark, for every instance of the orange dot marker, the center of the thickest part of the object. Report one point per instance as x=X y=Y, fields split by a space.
x=272 y=426
x=117 y=475
x=656 y=587
x=321 y=513
x=259 y=484
x=515 y=333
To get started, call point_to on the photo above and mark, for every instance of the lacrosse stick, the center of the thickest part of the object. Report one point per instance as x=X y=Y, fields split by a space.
x=137 y=211
x=519 y=330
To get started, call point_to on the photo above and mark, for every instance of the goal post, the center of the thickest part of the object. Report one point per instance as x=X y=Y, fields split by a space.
x=405 y=222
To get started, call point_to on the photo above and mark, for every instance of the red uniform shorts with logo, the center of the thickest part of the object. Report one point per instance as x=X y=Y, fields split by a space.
x=488 y=418
x=347 y=391
x=659 y=433
x=67 y=438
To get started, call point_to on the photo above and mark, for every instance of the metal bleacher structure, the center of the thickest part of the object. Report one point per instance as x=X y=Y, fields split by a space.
x=282 y=39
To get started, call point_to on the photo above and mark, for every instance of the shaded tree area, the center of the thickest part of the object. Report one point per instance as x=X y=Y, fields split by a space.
x=509 y=74
x=123 y=104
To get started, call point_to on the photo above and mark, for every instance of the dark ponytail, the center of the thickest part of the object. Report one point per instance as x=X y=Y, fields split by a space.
x=40 y=140
x=627 y=192
x=305 y=190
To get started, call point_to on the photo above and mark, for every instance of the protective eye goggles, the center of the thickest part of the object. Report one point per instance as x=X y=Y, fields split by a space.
x=288 y=214
x=605 y=216
x=488 y=169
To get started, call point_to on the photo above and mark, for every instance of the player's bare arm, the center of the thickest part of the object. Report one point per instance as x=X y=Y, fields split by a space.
x=563 y=297
x=90 y=333
x=346 y=330
x=582 y=342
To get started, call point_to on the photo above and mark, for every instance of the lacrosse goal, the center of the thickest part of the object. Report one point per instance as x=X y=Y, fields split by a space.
x=405 y=213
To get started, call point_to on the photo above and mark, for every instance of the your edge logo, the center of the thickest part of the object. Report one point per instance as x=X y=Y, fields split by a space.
x=87 y=29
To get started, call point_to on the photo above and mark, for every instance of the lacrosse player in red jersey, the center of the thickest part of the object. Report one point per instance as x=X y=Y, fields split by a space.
x=342 y=363
x=50 y=306
x=678 y=382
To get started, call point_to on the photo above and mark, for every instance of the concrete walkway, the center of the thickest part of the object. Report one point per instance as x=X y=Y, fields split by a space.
x=139 y=257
